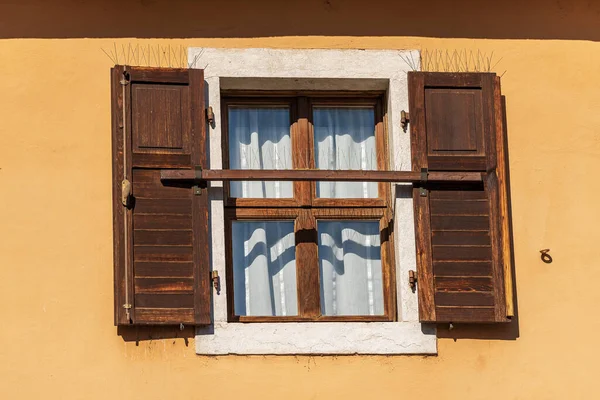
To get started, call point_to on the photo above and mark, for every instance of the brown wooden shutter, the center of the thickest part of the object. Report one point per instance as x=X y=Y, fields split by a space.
x=463 y=247
x=161 y=252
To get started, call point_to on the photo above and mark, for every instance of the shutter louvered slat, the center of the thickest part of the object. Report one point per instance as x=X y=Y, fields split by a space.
x=162 y=268
x=461 y=228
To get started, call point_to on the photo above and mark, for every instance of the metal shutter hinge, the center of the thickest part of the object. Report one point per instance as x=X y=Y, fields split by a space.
x=210 y=115
x=125 y=192
x=412 y=279
x=126 y=78
x=404 y=119
x=216 y=281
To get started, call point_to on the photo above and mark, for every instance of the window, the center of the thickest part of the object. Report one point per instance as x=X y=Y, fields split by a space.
x=317 y=254
x=307 y=251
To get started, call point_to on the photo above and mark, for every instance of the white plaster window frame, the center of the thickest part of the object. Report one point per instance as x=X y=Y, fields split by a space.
x=318 y=70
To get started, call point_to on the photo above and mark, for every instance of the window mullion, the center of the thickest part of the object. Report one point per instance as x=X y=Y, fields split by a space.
x=302 y=149
x=307 y=265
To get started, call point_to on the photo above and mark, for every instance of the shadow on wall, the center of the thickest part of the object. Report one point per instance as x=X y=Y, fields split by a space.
x=139 y=334
x=511 y=19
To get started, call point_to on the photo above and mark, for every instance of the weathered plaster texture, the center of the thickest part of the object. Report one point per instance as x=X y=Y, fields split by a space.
x=316 y=338
x=315 y=69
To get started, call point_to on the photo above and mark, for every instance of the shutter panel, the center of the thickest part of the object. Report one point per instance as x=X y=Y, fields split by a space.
x=161 y=238
x=463 y=248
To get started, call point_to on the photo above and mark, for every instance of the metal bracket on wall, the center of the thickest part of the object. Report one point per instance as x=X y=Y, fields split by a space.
x=424 y=175
x=197 y=189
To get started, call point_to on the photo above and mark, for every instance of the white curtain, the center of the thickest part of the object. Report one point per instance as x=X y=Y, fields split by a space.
x=259 y=138
x=345 y=139
x=350 y=267
x=264 y=268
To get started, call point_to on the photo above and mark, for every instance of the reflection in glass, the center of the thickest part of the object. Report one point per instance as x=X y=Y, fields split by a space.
x=350 y=268
x=345 y=140
x=264 y=268
x=259 y=138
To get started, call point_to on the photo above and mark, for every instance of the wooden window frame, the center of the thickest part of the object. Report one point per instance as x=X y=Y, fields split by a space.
x=305 y=209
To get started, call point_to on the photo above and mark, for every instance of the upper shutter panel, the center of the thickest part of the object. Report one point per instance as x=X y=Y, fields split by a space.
x=160 y=237
x=463 y=247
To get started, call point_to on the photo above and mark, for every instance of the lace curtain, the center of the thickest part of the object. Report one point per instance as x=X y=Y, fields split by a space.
x=264 y=265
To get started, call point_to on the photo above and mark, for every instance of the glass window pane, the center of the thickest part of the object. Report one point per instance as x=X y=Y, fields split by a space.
x=350 y=268
x=345 y=140
x=264 y=268
x=259 y=138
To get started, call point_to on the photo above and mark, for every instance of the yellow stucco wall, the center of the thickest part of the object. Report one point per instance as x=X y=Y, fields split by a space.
x=57 y=336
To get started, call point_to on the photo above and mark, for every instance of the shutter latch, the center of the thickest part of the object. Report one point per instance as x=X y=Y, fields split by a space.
x=424 y=175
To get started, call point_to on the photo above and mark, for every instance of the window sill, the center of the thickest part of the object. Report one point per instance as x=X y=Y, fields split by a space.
x=386 y=338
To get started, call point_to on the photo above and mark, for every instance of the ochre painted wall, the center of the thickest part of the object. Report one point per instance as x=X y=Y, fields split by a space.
x=58 y=339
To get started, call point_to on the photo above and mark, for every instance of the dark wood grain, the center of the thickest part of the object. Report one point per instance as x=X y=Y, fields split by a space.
x=120 y=317
x=504 y=200
x=161 y=221
x=157 y=122
x=317 y=175
x=303 y=156
x=128 y=168
x=165 y=225
x=459 y=207
x=454 y=124
x=462 y=268
x=169 y=300
x=307 y=265
x=464 y=299
x=159 y=75
x=465 y=314
x=163 y=316
x=453 y=80
x=163 y=237
x=460 y=224
x=461 y=238
x=163 y=253
x=158 y=160
x=459 y=253
x=493 y=188
x=165 y=269
x=200 y=216
x=418 y=140
x=463 y=284
x=459 y=193
x=158 y=285
x=180 y=206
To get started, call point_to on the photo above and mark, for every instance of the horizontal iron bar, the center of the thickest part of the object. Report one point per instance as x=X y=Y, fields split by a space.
x=313 y=175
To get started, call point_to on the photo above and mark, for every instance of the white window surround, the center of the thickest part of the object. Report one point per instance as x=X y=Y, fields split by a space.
x=317 y=70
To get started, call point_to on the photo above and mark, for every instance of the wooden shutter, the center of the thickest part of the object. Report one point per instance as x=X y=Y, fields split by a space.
x=161 y=260
x=463 y=247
